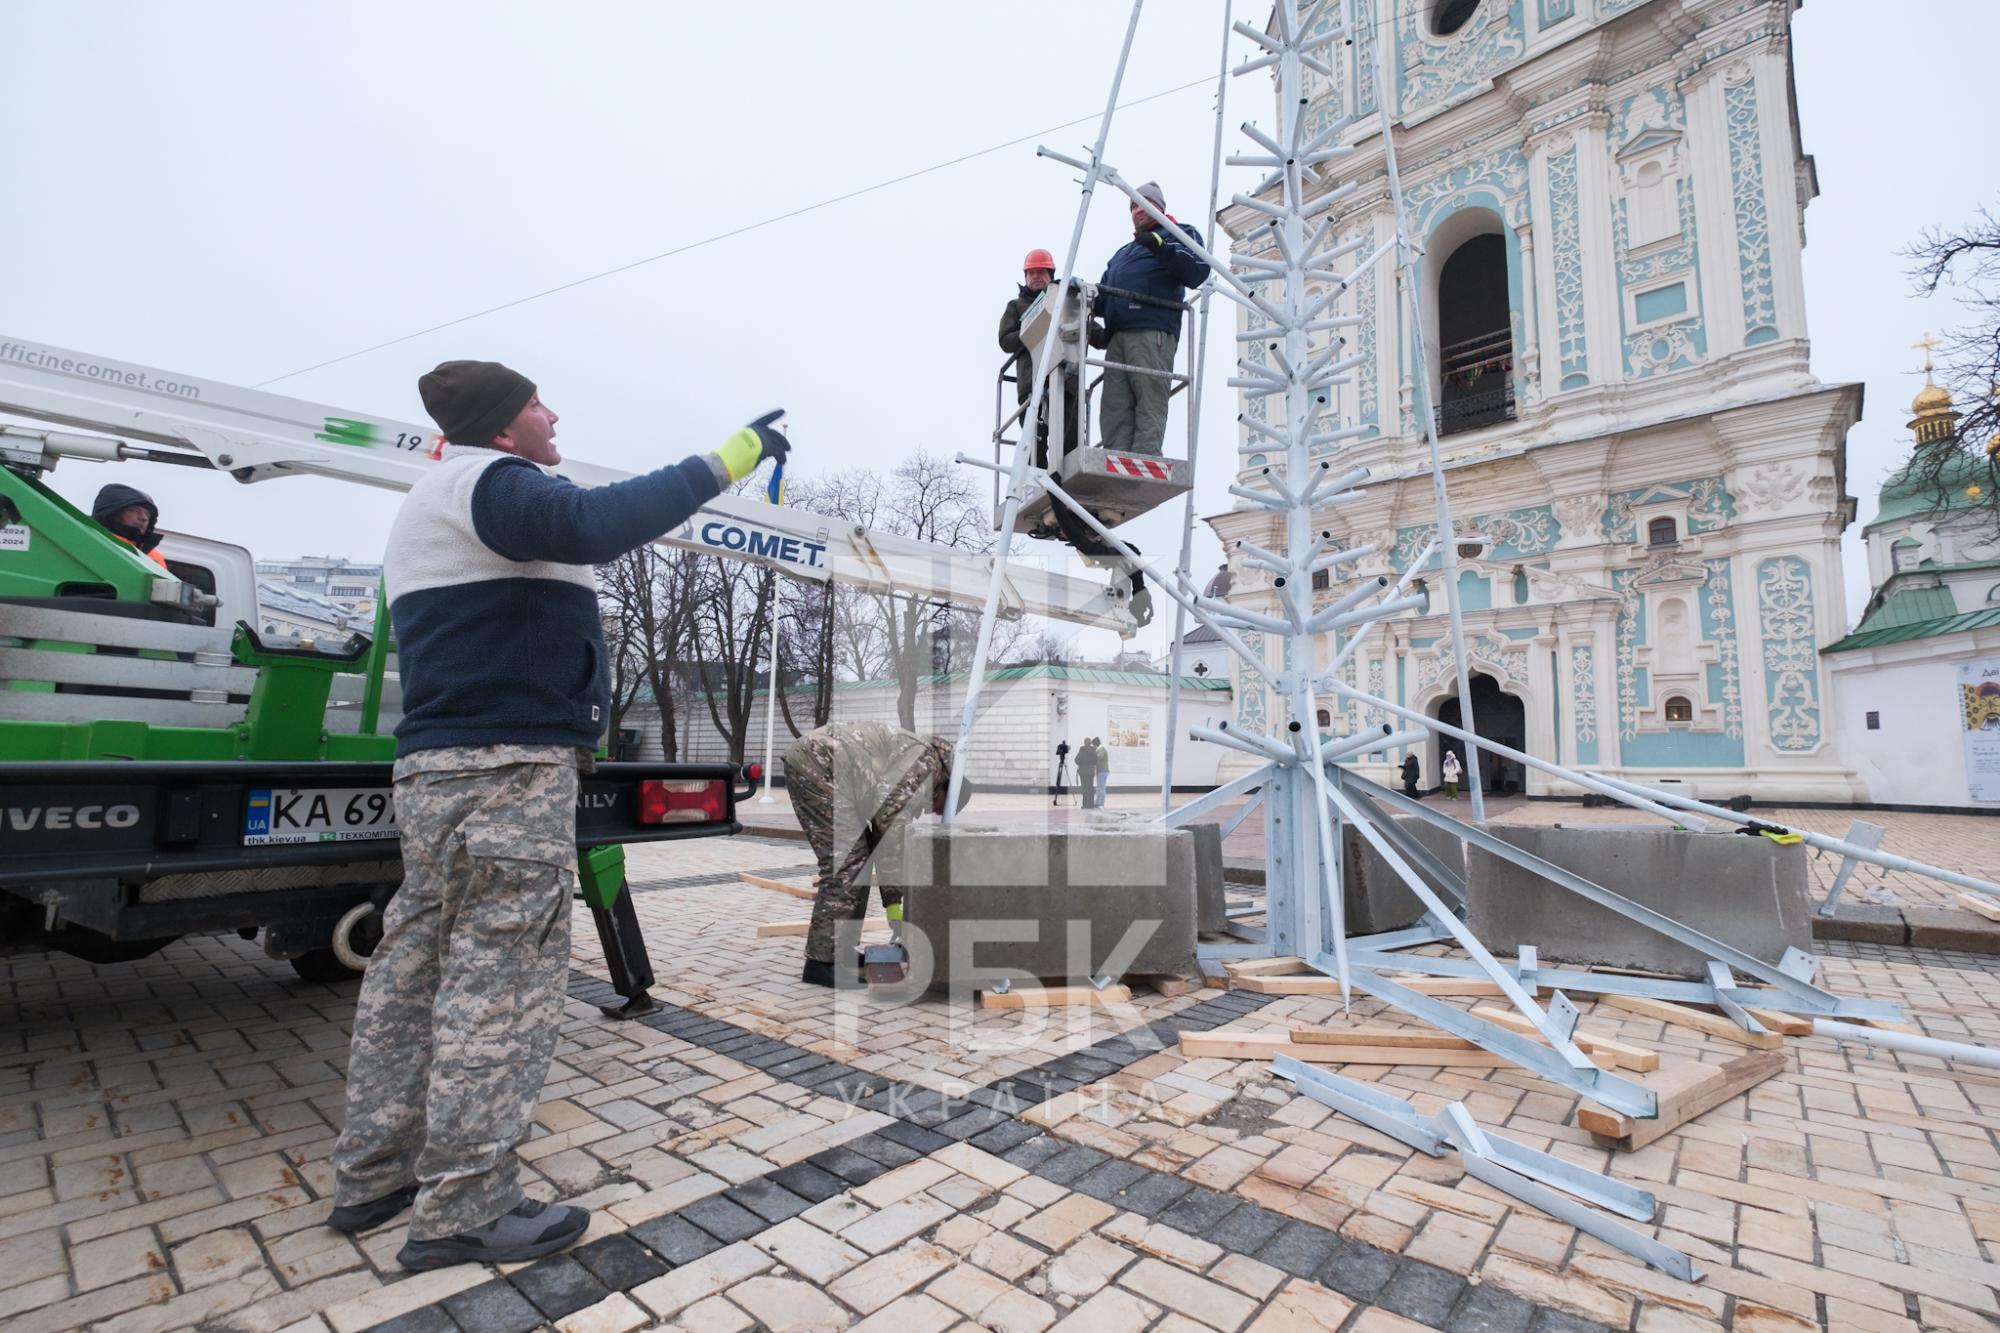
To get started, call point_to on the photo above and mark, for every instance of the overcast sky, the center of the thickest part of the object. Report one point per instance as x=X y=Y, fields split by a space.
x=242 y=190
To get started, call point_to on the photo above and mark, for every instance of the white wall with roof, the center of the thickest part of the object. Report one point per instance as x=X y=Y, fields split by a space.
x=1024 y=712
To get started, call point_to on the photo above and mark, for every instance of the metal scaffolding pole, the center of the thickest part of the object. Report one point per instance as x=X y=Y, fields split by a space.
x=1194 y=430
x=1017 y=488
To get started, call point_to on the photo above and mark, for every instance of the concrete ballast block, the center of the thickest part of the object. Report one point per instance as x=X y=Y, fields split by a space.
x=1061 y=906
x=1748 y=892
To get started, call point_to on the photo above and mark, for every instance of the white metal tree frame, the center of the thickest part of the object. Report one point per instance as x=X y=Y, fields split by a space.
x=1304 y=794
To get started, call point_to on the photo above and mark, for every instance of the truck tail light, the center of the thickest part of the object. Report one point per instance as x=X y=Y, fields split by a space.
x=685 y=802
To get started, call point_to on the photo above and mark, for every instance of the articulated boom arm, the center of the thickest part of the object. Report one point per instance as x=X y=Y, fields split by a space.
x=254 y=435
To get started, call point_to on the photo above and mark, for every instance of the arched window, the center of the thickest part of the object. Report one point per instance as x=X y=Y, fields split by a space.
x=1679 y=709
x=1475 y=337
x=1660 y=532
x=1325 y=719
x=1448 y=16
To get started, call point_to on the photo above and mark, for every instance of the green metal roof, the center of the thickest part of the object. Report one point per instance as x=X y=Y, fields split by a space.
x=1922 y=629
x=1960 y=483
x=1909 y=607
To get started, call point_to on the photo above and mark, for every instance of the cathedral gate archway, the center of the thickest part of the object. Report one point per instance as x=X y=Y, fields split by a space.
x=1498 y=716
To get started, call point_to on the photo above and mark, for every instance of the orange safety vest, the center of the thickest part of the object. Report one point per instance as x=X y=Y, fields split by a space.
x=152 y=555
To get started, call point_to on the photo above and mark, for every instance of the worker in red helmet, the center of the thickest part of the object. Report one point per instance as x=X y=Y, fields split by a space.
x=1038 y=273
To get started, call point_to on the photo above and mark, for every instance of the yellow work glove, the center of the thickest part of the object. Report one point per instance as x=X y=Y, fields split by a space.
x=742 y=452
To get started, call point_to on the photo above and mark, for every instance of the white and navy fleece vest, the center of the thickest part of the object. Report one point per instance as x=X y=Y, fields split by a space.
x=493 y=600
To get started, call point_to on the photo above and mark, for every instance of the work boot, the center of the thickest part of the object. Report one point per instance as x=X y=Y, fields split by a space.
x=355 y=1218
x=822 y=974
x=529 y=1230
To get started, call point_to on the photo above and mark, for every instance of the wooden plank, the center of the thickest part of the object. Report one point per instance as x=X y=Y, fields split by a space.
x=1053 y=996
x=1264 y=1045
x=774 y=928
x=1623 y=1055
x=758 y=881
x=1980 y=903
x=1681 y=1016
x=1315 y=984
x=1685 y=1091
x=1380 y=1036
x=1785 y=1025
x=1264 y=967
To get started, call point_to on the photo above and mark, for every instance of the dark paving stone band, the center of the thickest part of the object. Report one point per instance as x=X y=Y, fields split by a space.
x=925 y=1120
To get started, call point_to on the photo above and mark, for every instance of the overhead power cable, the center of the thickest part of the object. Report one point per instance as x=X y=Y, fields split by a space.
x=726 y=235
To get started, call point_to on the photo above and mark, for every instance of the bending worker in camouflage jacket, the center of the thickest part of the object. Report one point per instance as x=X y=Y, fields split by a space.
x=852 y=784
x=505 y=697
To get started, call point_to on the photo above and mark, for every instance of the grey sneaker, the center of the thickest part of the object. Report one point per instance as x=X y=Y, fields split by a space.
x=531 y=1230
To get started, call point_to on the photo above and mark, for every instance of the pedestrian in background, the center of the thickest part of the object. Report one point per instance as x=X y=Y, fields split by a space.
x=1451 y=770
x=1086 y=772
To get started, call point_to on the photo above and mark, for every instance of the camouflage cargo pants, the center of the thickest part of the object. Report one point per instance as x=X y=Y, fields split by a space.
x=1134 y=416
x=843 y=839
x=462 y=1000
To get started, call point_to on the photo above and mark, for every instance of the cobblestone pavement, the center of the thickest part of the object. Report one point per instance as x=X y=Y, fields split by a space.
x=764 y=1154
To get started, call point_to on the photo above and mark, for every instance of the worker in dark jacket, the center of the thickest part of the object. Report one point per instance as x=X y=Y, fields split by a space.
x=130 y=515
x=1146 y=282
x=1038 y=273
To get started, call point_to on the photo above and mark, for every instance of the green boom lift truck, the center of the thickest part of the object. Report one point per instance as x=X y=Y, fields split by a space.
x=165 y=771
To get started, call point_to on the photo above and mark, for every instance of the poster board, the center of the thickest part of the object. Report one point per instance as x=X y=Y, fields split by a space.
x=1979 y=718
x=1128 y=739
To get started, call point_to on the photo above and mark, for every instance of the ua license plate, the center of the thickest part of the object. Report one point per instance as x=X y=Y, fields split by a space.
x=317 y=814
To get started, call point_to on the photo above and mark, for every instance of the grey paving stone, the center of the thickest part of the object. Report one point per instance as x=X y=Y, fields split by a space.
x=1301 y=1249
x=1001 y=1137
x=558 y=1285
x=1488 y=1309
x=619 y=1262
x=1066 y=1167
x=1358 y=1270
x=1246 y=1229
x=848 y=1165
x=493 y=1307
x=975 y=1121
x=810 y=1183
x=1030 y=1154
x=675 y=1239
x=1555 y=1321
x=772 y=1202
x=1152 y=1195
x=1198 y=1211
x=1421 y=1292
x=914 y=1137
x=722 y=1219
x=802 y=1062
x=1107 y=1179
x=430 y=1319
x=886 y=1151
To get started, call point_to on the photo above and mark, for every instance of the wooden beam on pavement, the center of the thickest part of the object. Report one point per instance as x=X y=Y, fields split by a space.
x=1685 y=1091
x=1401 y=1037
x=1039 y=998
x=1623 y=1055
x=758 y=881
x=1680 y=1015
x=1264 y=1045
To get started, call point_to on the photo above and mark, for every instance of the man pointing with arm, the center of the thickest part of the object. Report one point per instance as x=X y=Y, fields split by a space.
x=505 y=696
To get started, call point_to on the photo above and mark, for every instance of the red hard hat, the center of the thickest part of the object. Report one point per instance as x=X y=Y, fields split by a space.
x=1039 y=259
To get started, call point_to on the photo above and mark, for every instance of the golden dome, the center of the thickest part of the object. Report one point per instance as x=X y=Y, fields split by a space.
x=1930 y=399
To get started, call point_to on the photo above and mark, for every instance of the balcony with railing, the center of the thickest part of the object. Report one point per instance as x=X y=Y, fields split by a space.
x=1477 y=383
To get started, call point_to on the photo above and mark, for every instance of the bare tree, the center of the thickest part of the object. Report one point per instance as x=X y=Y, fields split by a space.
x=731 y=635
x=647 y=598
x=1969 y=261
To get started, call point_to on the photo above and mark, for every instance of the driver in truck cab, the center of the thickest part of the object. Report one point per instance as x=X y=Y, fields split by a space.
x=506 y=696
x=130 y=515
